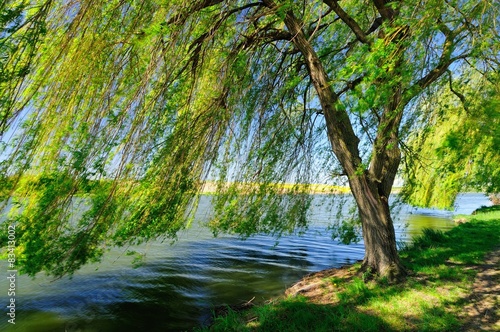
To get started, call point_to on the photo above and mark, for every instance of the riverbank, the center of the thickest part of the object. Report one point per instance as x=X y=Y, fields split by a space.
x=452 y=286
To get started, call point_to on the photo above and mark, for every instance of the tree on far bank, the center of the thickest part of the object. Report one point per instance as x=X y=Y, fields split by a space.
x=130 y=106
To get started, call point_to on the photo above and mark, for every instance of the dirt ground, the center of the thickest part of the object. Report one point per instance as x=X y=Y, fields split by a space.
x=483 y=311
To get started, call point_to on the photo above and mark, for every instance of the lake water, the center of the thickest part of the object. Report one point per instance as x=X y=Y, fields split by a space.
x=178 y=285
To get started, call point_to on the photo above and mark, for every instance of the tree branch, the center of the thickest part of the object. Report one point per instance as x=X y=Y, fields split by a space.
x=180 y=18
x=434 y=74
x=348 y=20
x=196 y=46
x=376 y=24
x=385 y=11
x=351 y=85
x=315 y=25
x=339 y=128
x=457 y=93
x=444 y=62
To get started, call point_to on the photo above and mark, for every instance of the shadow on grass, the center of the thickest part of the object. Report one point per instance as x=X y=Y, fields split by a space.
x=299 y=315
x=442 y=265
x=483 y=309
x=465 y=244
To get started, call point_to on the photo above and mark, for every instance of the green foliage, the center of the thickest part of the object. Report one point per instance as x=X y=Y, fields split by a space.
x=487 y=209
x=22 y=27
x=347 y=227
x=115 y=114
x=433 y=251
x=456 y=149
x=429 y=238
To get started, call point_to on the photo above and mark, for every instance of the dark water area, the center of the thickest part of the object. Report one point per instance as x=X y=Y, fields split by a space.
x=177 y=286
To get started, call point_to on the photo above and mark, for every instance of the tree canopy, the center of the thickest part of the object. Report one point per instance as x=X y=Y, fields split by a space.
x=122 y=110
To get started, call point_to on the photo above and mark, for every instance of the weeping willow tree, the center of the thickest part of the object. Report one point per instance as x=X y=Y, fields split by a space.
x=125 y=108
x=459 y=150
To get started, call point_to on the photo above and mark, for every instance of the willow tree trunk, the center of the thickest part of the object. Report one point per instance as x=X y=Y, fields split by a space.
x=381 y=254
x=371 y=188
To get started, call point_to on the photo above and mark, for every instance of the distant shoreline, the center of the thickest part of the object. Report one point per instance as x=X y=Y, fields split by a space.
x=210 y=187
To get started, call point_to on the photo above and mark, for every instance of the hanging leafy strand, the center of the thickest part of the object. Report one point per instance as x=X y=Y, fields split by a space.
x=125 y=116
x=22 y=26
x=458 y=152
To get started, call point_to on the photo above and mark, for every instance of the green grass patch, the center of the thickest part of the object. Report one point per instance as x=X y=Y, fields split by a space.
x=441 y=269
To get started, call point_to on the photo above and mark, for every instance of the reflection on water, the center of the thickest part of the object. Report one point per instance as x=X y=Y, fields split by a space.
x=179 y=284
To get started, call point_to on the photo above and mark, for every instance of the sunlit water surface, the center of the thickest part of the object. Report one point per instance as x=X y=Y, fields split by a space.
x=178 y=285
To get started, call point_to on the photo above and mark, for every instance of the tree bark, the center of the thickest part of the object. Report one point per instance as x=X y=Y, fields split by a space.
x=381 y=254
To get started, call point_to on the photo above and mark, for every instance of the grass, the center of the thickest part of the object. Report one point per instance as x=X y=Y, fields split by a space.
x=442 y=272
